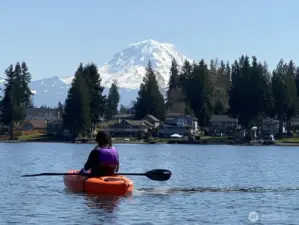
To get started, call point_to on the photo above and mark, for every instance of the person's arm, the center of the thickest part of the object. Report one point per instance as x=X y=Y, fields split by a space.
x=90 y=160
x=116 y=170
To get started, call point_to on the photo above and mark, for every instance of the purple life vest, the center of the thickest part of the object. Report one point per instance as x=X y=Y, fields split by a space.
x=108 y=157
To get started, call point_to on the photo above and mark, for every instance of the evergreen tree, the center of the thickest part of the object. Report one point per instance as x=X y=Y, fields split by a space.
x=292 y=92
x=220 y=78
x=198 y=91
x=285 y=92
x=175 y=99
x=76 y=117
x=60 y=108
x=236 y=87
x=25 y=80
x=249 y=92
x=185 y=73
x=279 y=87
x=112 y=101
x=173 y=79
x=214 y=71
x=123 y=109
x=12 y=109
x=19 y=94
x=297 y=80
x=259 y=95
x=268 y=93
x=97 y=99
x=184 y=77
x=219 y=108
x=149 y=100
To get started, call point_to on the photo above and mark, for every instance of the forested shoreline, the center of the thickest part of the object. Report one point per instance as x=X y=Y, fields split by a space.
x=245 y=89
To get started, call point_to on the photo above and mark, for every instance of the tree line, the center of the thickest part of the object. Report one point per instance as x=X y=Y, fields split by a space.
x=245 y=89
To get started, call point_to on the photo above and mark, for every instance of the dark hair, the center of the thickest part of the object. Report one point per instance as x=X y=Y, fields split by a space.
x=103 y=138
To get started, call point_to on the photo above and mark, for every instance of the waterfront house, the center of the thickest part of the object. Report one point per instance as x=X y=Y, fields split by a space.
x=127 y=128
x=271 y=126
x=123 y=117
x=55 y=127
x=223 y=124
x=33 y=127
x=42 y=114
x=184 y=125
x=153 y=120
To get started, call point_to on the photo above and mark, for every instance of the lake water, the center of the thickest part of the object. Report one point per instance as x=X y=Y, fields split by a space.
x=210 y=185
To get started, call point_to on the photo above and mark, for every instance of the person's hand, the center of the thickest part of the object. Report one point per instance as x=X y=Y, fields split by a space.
x=83 y=171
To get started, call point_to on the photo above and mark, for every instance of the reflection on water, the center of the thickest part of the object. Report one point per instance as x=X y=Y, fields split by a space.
x=106 y=202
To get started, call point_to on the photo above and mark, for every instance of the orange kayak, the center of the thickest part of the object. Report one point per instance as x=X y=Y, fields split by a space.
x=112 y=185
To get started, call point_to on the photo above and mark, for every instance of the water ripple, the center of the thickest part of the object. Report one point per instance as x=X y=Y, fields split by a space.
x=182 y=190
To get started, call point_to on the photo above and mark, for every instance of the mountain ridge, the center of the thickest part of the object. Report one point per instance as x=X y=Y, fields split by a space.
x=126 y=66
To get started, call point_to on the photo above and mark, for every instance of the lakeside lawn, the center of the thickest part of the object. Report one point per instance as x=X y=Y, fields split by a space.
x=210 y=138
x=288 y=140
x=35 y=137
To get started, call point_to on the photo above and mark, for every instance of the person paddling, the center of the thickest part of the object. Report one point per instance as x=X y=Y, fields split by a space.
x=104 y=159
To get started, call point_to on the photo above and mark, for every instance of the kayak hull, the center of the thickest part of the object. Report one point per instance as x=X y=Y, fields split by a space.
x=111 y=185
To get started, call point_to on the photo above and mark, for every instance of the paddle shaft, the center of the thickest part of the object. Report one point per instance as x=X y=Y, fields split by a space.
x=50 y=174
x=70 y=174
x=131 y=174
x=157 y=174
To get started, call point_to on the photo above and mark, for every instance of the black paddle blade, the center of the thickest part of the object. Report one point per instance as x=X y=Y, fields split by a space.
x=158 y=174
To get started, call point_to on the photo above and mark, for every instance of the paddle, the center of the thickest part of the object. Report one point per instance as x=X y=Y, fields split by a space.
x=157 y=174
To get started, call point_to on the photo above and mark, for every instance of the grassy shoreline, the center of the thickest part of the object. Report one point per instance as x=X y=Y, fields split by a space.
x=291 y=141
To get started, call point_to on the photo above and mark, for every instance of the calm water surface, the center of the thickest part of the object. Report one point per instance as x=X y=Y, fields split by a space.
x=209 y=185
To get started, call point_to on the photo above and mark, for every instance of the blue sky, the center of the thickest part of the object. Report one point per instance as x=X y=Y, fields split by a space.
x=54 y=36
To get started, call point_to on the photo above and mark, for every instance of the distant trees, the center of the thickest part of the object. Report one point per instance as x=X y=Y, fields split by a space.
x=249 y=94
x=245 y=90
x=190 y=90
x=17 y=96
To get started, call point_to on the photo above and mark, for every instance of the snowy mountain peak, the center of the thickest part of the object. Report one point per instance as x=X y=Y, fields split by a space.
x=128 y=66
x=151 y=43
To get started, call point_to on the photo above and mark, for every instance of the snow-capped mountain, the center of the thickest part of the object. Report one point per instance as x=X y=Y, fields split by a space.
x=127 y=67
